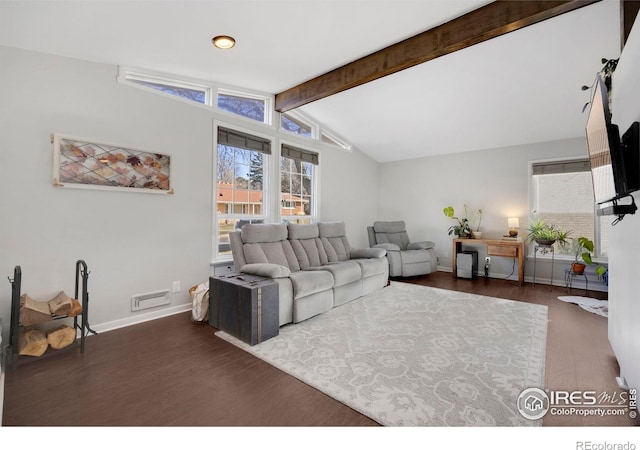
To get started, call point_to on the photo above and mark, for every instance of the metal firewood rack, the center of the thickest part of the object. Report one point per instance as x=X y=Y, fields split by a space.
x=80 y=321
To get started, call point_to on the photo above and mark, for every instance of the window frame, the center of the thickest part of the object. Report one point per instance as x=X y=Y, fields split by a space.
x=533 y=201
x=315 y=185
x=129 y=77
x=266 y=99
x=267 y=215
x=296 y=116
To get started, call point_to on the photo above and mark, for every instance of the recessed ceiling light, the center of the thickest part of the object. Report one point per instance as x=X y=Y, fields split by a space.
x=223 y=42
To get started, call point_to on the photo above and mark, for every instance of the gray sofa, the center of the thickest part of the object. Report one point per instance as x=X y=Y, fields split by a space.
x=313 y=264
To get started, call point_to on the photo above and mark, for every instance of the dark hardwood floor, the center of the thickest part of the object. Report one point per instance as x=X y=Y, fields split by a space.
x=173 y=372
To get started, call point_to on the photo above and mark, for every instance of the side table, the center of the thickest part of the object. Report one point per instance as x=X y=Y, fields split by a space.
x=245 y=306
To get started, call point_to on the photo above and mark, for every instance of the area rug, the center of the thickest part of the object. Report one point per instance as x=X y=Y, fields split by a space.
x=411 y=355
x=599 y=307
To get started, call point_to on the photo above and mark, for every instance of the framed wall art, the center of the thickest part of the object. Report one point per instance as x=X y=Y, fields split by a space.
x=87 y=164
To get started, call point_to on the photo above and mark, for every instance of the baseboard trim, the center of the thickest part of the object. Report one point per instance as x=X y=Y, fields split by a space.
x=140 y=318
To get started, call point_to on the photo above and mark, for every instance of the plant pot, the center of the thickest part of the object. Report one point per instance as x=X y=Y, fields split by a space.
x=547 y=242
x=578 y=267
x=477 y=235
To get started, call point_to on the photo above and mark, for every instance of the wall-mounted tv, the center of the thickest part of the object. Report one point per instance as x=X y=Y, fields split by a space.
x=605 y=153
x=615 y=166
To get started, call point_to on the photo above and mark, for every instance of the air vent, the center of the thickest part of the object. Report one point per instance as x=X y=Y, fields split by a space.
x=150 y=300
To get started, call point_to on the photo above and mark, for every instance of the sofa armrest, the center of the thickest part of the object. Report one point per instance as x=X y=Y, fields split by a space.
x=424 y=245
x=370 y=253
x=266 y=270
x=388 y=247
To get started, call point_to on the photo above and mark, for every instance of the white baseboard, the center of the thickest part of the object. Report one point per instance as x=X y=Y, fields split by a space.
x=140 y=318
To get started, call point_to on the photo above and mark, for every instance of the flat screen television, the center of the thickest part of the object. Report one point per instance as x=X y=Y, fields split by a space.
x=605 y=150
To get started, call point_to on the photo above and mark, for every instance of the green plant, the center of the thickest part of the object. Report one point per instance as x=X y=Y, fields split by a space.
x=541 y=230
x=582 y=248
x=462 y=229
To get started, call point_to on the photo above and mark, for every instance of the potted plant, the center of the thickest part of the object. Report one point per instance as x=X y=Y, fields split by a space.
x=582 y=248
x=462 y=229
x=477 y=219
x=545 y=233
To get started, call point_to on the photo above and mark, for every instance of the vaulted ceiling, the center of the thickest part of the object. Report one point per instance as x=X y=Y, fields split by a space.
x=519 y=88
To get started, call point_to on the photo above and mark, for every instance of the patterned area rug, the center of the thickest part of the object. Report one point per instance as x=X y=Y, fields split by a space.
x=411 y=355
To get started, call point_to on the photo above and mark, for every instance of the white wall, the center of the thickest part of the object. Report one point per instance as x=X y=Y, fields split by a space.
x=496 y=181
x=624 y=283
x=132 y=242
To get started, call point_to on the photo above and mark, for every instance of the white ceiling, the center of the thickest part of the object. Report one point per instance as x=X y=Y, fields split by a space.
x=520 y=88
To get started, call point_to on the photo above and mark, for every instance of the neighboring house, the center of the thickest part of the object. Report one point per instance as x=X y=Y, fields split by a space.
x=249 y=202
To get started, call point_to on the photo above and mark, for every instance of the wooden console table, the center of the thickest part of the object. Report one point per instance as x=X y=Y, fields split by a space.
x=495 y=247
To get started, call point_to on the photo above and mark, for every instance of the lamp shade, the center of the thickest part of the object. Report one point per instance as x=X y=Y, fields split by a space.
x=513 y=222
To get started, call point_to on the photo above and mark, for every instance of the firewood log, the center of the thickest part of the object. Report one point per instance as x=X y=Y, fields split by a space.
x=33 y=312
x=32 y=342
x=61 y=304
x=76 y=308
x=61 y=336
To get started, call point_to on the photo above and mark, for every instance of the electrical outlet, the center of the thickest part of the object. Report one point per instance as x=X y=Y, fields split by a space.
x=487 y=260
x=445 y=254
x=176 y=286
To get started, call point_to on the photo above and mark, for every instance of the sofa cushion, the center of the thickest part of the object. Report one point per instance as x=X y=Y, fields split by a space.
x=343 y=272
x=279 y=252
x=332 y=229
x=272 y=232
x=389 y=227
x=309 y=252
x=310 y=282
x=303 y=231
x=415 y=256
x=371 y=267
x=266 y=270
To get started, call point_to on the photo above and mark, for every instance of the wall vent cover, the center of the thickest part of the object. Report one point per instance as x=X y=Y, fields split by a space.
x=150 y=300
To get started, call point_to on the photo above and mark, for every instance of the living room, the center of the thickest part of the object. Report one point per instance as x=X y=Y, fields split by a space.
x=137 y=243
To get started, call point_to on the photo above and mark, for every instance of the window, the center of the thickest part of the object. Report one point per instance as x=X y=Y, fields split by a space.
x=240 y=183
x=251 y=108
x=563 y=195
x=294 y=125
x=195 y=95
x=187 y=90
x=327 y=137
x=297 y=190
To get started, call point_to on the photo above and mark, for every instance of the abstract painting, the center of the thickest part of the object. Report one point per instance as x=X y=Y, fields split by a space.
x=87 y=164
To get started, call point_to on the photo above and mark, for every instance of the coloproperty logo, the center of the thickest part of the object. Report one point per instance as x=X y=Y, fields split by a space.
x=534 y=403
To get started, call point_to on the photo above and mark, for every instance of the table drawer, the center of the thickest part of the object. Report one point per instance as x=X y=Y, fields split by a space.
x=499 y=250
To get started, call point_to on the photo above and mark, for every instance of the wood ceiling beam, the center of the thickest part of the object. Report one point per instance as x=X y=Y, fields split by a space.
x=628 y=13
x=482 y=24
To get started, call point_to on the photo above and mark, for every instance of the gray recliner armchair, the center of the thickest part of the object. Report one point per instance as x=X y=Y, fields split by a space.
x=406 y=258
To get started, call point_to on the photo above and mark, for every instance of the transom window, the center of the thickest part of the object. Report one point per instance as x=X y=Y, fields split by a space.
x=295 y=125
x=251 y=108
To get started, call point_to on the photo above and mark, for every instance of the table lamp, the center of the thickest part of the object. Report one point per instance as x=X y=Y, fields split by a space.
x=514 y=224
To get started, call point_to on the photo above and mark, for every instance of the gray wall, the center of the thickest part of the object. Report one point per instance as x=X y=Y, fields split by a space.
x=132 y=242
x=496 y=181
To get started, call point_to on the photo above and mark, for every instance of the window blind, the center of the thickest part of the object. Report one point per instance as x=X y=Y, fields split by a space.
x=553 y=167
x=238 y=139
x=299 y=154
